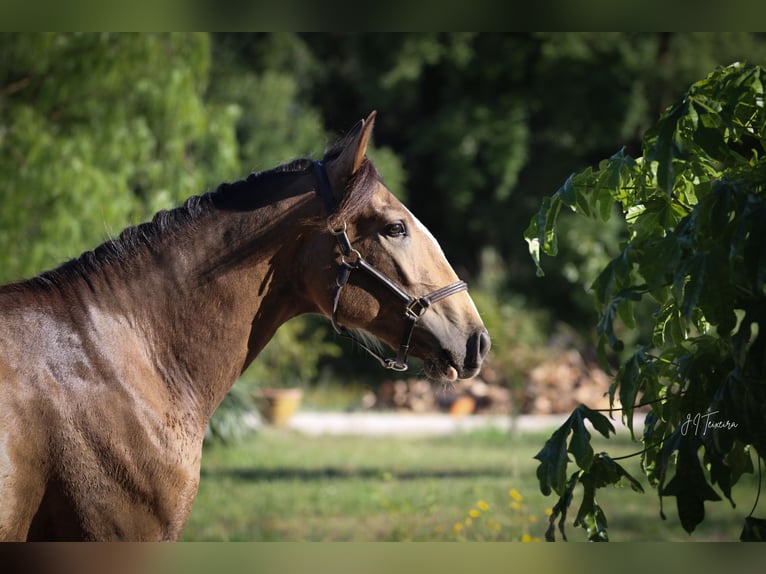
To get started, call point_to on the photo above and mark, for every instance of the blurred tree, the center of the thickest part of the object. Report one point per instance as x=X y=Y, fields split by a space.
x=486 y=124
x=99 y=130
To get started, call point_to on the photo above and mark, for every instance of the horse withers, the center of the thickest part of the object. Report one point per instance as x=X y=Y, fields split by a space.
x=112 y=364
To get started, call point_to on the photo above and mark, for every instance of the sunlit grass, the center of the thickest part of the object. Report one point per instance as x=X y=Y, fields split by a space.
x=280 y=485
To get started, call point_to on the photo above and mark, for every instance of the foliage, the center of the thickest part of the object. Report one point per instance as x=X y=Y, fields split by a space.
x=520 y=332
x=232 y=421
x=97 y=131
x=292 y=357
x=695 y=213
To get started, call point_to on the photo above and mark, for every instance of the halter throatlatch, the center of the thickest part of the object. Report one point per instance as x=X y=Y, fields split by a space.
x=351 y=259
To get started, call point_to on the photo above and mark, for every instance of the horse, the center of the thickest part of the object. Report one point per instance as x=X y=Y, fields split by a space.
x=112 y=364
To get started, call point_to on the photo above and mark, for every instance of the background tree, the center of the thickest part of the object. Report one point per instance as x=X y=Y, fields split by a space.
x=97 y=132
x=695 y=213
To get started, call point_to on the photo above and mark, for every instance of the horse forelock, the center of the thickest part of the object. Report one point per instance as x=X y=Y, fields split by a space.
x=359 y=190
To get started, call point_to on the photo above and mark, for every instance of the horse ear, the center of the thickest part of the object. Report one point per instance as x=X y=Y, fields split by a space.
x=341 y=168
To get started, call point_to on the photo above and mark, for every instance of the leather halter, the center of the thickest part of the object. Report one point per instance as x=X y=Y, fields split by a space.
x=351 y=259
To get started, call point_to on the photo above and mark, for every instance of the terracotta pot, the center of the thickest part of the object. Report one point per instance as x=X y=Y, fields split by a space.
x=277 y=406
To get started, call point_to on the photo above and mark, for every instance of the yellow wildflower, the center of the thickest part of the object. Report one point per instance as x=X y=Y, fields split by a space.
x=526 y=538
x=548 y=512
x=474 y=513
x=515 y=494
x=513 y=505
x=482 y=505
x=458 y=527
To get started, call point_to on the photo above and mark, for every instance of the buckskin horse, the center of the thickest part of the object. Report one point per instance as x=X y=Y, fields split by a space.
x=112 y=364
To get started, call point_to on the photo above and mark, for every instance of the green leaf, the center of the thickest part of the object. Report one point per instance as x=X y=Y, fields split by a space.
x=559 y=510
x=658 y=260
x=600 y=422
x=712 y=143
x=605 y=471
x=533 y=245
x=719 y=473
x=579 y=445
x=754 y=530
x=551 y=472
x=631 y=380
x=546 y=225
x=695 y=207
x=590 y=515
x=542 y=233
x=664 y=149
x=618 y=163
x=690 y=281
x=567 y=193
x=689 y=485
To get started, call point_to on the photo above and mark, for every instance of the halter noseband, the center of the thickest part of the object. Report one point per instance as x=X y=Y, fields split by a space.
x=351 y=259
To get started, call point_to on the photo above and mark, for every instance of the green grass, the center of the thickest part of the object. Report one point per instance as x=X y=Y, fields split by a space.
x=279 y=485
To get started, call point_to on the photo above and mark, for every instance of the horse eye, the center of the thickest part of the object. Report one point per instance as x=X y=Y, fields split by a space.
x=397 y=229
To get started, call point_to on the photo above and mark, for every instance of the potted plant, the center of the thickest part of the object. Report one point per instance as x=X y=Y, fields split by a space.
x=277 y=405
x=278 y=375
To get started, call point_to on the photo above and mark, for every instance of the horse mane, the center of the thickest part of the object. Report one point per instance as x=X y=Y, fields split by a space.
x=237 y=196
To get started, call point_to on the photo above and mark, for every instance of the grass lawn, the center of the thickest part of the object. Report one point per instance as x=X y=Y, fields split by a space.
x=280 y=485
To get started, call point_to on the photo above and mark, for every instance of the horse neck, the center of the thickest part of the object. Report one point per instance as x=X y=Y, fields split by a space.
x=206 y=300
x=219 y=312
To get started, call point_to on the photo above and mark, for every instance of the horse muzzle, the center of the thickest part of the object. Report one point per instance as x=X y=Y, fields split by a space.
x=458 y=360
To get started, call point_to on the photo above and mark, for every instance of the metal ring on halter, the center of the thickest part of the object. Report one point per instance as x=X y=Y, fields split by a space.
x=352 y=259
x=336 y=230
x=413 y=311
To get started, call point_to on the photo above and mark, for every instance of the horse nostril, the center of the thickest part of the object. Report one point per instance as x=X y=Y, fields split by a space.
x=477 y=348
x=484 y=344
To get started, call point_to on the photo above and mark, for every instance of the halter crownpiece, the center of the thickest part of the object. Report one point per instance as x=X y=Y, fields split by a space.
x=351 y=259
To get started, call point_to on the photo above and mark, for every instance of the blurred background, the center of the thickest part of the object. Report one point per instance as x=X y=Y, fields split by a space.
x=99 y=131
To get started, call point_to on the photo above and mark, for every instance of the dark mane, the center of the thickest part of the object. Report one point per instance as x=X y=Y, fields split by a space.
x=236 y=196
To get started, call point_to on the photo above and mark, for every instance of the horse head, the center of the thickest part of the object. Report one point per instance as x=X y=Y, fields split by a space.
x=388 y=277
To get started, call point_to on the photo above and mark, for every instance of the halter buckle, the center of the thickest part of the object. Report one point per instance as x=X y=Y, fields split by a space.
x=395 y=365
x=416 y=309
x=351 y=259
x=336 y=230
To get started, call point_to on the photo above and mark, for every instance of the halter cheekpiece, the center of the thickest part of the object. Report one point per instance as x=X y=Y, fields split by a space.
x=351 y=259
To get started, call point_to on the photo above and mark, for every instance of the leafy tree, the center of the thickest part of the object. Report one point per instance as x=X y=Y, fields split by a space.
x=488 y=123
x=694 y=205
x=98 y=131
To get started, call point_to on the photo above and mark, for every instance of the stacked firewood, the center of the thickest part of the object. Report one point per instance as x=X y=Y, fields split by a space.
x=554 y=386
